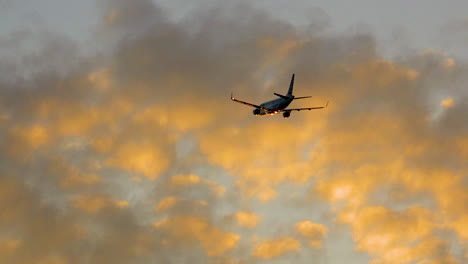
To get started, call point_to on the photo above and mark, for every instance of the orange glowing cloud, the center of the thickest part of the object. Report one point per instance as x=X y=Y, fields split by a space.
x=382 y=73
x=93 y=204
x=9 y=246
x=276 y=247
x=166 y=203
x=53 y=259
x=384 y=232
x=25 y=139
x=184 y=228
x=184 y=180
x=247 y=219
x=315 y=232
x=80 y=179
x=260 y=172
x=447 y=103
x=449 y=63
x=143 y=158
x=101 y=79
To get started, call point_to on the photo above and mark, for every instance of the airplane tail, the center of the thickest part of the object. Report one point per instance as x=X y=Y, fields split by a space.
x=291 y=85
x=290 y=91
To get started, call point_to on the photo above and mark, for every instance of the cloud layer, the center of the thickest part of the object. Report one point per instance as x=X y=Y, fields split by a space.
x=136 y=154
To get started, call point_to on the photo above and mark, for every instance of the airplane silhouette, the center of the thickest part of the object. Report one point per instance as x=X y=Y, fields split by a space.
x=278 y=105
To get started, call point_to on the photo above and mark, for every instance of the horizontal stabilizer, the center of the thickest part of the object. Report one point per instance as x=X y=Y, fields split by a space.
x=282 y=96
x=302 y=97
x=305 y=108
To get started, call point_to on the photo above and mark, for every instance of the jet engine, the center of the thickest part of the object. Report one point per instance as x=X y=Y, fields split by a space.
x=286 y=114
x=256 y=111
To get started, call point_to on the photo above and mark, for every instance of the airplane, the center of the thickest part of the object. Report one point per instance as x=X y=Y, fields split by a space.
x=278 y=105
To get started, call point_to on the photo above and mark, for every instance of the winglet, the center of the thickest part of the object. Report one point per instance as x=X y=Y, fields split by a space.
x=327 y=104
x=232 y=97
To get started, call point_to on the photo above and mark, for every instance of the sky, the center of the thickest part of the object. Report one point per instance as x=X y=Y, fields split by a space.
x=119 y=143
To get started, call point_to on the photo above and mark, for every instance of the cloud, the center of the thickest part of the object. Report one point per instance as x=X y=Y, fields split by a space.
x=449 y=63
x=35 y=229
x=191 y=179
x=315 y=232
x=185 y=179
x=166 y=203
x=213 y=240
x=137 y=155
x=93 y=204
x=414 y=223
x=9 y=246
x=141 y=158
x=24 y=140
x=227 y=147
x=431 y=251
x=276 y=247
x=447 y=103
x=247 y=219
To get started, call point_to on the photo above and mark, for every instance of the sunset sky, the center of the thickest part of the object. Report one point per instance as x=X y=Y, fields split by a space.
x=119 y=144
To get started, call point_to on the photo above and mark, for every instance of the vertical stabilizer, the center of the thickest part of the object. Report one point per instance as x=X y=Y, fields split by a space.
x=290 y=91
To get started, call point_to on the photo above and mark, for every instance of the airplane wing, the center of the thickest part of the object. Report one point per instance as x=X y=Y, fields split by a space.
x=249 y=104
x=306 y=108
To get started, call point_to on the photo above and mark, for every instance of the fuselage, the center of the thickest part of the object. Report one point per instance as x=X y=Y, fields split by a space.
x=275 y=106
